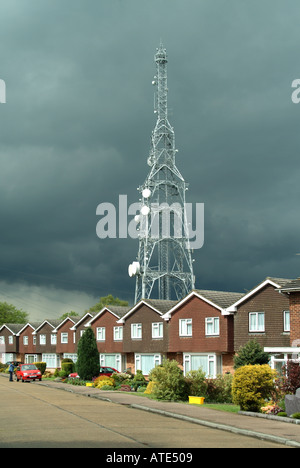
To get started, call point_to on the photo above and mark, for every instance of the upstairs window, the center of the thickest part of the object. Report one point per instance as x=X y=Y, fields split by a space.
x=286 y=321
x=136 y=331
x=185 y=327
x=101 y=334
x=257 y=322
x=157 y=330
x=212 y=326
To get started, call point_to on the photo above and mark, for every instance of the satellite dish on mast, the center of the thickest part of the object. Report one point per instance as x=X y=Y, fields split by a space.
x=134 y=269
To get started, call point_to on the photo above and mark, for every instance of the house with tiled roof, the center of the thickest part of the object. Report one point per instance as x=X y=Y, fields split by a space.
x=200 y=331
x=263 y=314
x=9 y=342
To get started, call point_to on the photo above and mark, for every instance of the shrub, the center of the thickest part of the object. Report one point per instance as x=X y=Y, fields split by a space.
x=68 y=366
x=252 y=385
x=170 y=382
x=219 y=390
x=104 y=380
x=150 y=388
x=296 y=415
x=251 y=353
x=88 y=365
x=290 y=380
x=41 y=366
x=197 y=383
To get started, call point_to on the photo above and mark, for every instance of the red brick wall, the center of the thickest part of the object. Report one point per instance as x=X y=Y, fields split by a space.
x=109 y=321
x=271 y=302
x=30 y=348
x=294 y=299
x=198 y=310
x=65 y=347
x=146 y=316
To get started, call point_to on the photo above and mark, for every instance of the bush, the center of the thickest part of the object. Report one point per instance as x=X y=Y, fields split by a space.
x=290 y=380
x=252 y=353
x=170 y=382
x=150 y=388
x=197 y=383
x=99 y=382
x=252 y=385
x=68 y=366
x=41 y=366
x=88 y=365
x=296 y=416
x=219 y=390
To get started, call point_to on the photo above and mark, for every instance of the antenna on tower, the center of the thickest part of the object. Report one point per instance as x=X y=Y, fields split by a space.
x=163 y=268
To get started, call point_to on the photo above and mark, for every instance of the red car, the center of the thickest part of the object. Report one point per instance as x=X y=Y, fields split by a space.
x=28 y=372
x=103 y=371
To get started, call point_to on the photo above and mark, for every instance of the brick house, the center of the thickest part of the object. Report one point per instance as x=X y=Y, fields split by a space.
x=291 y=290
x=27 y=343
x=263 y=314
x=9 y=342
x=65 y=339
x=201 y=333
x=145 y=336
x=109 y=336
x=46 y=343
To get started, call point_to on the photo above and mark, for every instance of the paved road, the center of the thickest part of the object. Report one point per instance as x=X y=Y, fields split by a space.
x=32 y=415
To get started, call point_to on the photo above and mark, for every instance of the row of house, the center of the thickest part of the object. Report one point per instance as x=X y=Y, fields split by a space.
x=205 y=329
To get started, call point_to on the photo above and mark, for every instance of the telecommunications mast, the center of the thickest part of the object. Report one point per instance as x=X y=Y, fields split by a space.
x=163 y=268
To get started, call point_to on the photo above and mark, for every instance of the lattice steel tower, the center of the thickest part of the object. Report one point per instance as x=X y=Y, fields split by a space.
x=163 y=268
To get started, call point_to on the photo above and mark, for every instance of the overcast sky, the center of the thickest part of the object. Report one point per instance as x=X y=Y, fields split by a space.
x=76 y=128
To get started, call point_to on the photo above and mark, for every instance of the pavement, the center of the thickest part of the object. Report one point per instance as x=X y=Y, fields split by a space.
x=280 y=430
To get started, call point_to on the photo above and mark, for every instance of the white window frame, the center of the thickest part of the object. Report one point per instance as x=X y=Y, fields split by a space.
x=43 y=340
x=53 y=339
x=157 y=330
x=10 y=339
x=212 y=326
x=138 y=360
x=118 y=333
x=64 y=338
x=136 y=331
x=256 y=328
x=25 y=340
x=2 y=340
x=101 y=333
x=186 y=327
x=286 y=322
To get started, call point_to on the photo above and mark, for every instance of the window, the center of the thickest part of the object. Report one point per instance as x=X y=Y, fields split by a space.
x=286 y=321
x=212 y=326
x=136 y=331
x=10 y=339
x=2 y=340
x=257 y=322
x=25 y=340
x=157 y=330
x=42 y=339
x=185 y=327
x=64 y=338
x=101 y=334
x=211 y=364
x=34 y=340
x=146 y=362
x=118 y=333
x=53 y=339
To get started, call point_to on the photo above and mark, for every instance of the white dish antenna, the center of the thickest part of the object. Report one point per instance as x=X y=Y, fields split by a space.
x=145 y=210
x=146 y=193
x=134 y=269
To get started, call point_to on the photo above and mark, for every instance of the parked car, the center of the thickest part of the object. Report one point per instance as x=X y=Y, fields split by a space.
x=108 y=371
x=28 y=372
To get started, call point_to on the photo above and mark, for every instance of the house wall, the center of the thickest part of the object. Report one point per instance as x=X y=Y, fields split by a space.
x=146 y=316
x=109 y=321
x=9 y=348
x=198 y=310
x=272 y=303
x=65 y=347
x=30 y=348
x=47 y=330
x=294 y=303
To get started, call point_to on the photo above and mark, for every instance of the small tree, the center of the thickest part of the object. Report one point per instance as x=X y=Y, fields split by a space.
x=88 y=365
x=251 y=354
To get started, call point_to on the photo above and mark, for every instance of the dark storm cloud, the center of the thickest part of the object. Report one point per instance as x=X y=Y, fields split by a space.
x=75 y=132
